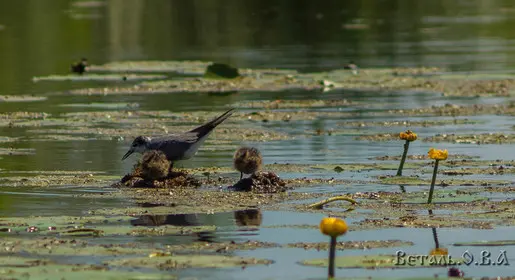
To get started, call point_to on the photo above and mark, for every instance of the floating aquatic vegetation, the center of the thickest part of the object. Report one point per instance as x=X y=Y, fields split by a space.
x=407 y=123
x=98 y=77
x=183 y=67
x=262 y=182
x=485 y=138
x=423 y=157
x=484 y=243
x=173 y=262
x=21 y=98
x=418 y=181
x=45 y=180
x=352 y=245
x=17 y=151
x=381 y=261
x=422 y=222
x=290 y=104
x=229 y=134
x=40 y=269
x=379 y=137
x=222 y=247
x=23 y=115
x=5 y=139
x=454 y=110
x=103 y=105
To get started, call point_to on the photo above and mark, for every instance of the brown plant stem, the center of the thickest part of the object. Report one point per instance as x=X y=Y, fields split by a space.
x=403 y=159
x=320 y=204
x=430 y=198
x=332 y=254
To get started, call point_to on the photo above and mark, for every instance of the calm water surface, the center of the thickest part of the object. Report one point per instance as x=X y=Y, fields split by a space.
x=43 y=37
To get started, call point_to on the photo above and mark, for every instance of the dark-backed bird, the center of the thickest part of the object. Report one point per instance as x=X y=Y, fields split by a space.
x=177 y=146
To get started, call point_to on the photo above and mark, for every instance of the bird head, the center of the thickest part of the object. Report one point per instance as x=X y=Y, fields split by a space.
x=139 y=145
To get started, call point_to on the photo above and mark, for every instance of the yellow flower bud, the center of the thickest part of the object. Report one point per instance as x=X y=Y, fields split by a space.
x=439 y=252
x=333 y=226
x=408 y=135
x=438 y=154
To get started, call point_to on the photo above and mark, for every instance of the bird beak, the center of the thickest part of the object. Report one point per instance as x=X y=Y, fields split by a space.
x=128 y=154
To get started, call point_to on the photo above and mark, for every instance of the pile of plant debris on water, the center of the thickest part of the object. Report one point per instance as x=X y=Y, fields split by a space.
x=262 y=182
x=153 y=171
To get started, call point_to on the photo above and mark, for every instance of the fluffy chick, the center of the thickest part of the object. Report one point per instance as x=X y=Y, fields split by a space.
x=247 y=160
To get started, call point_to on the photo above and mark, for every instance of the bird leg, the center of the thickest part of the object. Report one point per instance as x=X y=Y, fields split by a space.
x=170 y=168
x=241 y=175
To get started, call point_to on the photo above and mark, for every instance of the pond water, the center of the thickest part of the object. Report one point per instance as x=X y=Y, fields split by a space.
x=39 y=38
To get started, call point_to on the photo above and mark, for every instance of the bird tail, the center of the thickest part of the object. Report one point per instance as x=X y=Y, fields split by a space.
x=208 y=127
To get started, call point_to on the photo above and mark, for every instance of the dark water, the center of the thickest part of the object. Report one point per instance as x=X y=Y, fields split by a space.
x=40 y=38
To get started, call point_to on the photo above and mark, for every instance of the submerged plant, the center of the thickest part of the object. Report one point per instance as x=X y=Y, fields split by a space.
x=437 y=155
x=409 y=136
x=332 y=227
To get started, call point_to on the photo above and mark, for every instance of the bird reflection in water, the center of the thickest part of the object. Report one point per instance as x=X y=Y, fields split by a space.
x=249 y=217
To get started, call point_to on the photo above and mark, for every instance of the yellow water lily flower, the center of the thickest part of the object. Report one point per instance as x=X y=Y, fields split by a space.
x=439 y=252
x=333 y=226
x=438 y=154
x=408 y=135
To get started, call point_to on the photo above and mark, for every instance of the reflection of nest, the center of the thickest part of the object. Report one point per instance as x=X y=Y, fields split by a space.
x=250 y=217
x=263 y=182
x=152 y=171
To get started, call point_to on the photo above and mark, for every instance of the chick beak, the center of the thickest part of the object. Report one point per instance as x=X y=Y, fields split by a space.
x=128 y=154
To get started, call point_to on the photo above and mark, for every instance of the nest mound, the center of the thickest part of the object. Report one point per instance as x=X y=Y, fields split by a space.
x=152 y=171
x=262 y=182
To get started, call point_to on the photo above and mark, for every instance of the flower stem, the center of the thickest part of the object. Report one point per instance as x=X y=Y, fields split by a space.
x=430 y=198
x=435 y=237
x=406 y=146
x=332 y=253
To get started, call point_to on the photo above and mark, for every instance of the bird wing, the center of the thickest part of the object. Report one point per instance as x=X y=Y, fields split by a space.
x=175 y=146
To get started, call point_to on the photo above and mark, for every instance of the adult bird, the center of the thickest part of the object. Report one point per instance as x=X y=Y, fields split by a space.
x=177 y=146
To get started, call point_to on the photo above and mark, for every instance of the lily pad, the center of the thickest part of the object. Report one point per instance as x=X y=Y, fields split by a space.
x=98 y=77
x=384 y=261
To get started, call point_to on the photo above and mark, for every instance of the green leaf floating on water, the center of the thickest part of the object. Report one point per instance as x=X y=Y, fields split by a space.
x=487 y=243
x=382 y=261
x=98 y=77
